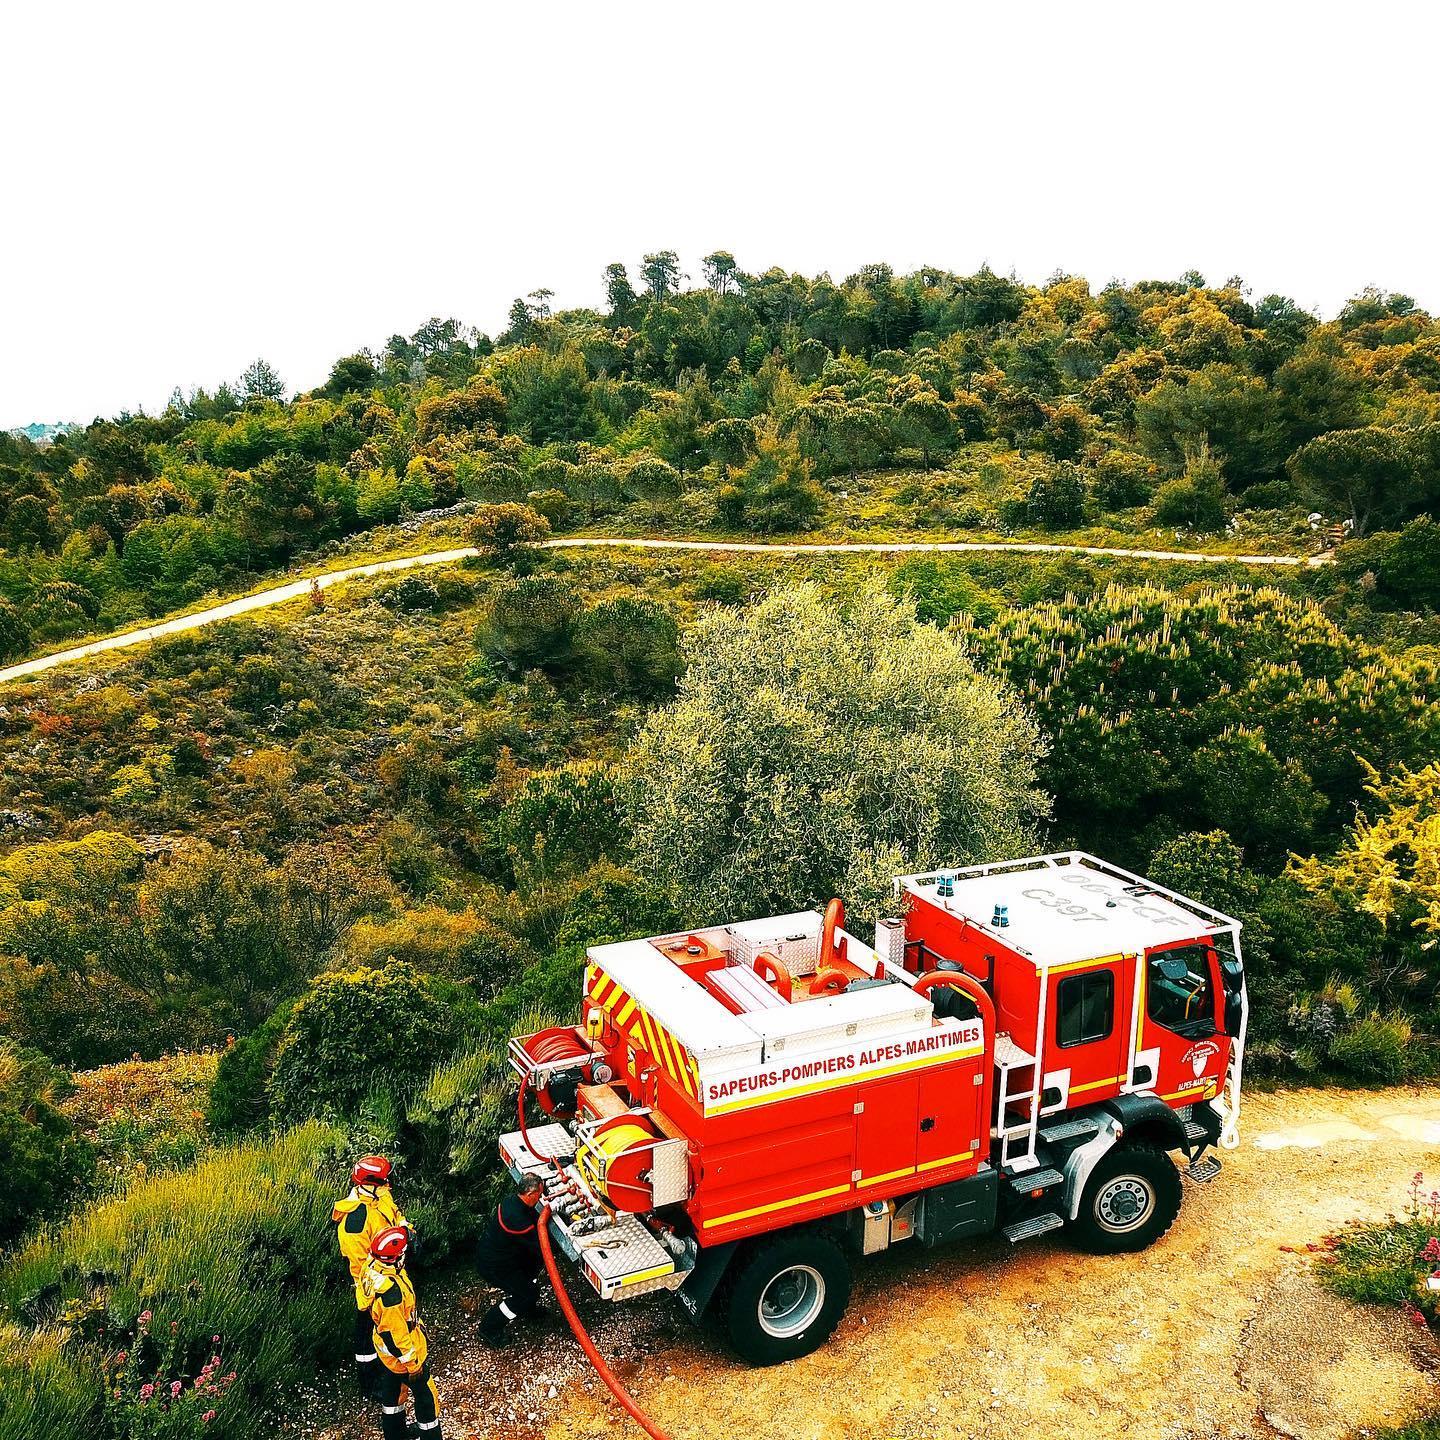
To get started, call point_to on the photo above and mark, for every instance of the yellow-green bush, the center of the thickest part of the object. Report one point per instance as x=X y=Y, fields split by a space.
x=237 y=1248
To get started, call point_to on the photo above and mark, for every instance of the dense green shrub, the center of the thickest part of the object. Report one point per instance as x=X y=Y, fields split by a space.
x=359 y=1030
x=47 y=1164
x=1057 y=497
x=628 y=648
x=530 y=625
x=239 y=1095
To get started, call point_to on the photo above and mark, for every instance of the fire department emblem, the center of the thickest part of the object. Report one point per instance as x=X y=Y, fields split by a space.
x=1197 y=1055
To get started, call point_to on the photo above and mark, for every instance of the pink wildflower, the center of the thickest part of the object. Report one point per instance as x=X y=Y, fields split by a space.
x=146 y=1391
x=176 y=1386
x=207 y=1417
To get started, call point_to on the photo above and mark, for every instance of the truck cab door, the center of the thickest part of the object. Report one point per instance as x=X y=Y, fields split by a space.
x=1181 y=1049
x=1088 y=1035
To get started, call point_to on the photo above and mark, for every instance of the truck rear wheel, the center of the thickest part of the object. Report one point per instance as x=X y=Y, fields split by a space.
x=1129 y=1202
x=786 y=1297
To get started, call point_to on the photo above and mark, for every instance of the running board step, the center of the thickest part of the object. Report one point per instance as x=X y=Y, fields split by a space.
x=1203 y=1170
x=1069 y=1130
x=1028 y=1229
x=1027 y=1180
x=1196 y=1132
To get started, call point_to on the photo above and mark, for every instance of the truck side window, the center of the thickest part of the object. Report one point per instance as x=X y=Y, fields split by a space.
x=1085 y=1008
x=1178 y=993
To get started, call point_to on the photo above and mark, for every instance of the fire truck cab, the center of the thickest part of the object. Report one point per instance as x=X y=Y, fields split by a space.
x=1022 y=1048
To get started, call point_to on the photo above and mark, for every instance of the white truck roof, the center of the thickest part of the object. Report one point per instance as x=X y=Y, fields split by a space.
x=1067 y=907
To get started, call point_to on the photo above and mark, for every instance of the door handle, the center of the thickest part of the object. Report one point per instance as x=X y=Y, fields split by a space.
x=927 y=1124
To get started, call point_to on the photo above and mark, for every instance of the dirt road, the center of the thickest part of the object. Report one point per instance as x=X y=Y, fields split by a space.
x=1218 y=1331
x=297 y=589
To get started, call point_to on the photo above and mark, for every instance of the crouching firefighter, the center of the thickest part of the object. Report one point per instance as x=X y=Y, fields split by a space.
x=508 y=1257
x=368 y=1209
x=399 y=1337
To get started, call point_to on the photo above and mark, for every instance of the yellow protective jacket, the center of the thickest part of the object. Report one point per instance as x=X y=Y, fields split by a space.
x=358 y=1219
x=399 y=1333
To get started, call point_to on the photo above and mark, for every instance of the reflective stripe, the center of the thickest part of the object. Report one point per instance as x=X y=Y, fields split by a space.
x=393 y=1409
x=500 y=1219
x=365 y=1359
x=428 y=1425
x=506 y=1311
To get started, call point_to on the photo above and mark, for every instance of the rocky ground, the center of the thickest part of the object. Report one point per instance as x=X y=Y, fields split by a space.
x=1218 y=1331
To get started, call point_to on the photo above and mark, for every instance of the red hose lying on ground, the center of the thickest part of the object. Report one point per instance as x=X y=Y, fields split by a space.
x=586 y=1343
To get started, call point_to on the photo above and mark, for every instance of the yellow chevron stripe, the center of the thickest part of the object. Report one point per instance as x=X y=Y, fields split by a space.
x=625 y=1012
x=601 y=986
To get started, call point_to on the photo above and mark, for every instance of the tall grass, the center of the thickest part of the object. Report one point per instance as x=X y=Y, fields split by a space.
x=238 y=1248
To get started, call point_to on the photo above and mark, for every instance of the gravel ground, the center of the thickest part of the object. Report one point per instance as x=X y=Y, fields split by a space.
x=1218 y=1332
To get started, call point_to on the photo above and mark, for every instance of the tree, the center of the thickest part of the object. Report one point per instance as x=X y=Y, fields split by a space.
x=1197 y=498
x=729 y=442
x=773 y=491
x=1057 y=497
x=1369 y=471
x=1389 y=866
x=261 y=382
x=530 y=625
x=661 y=274
x=927 y=423
x=15 y=630
x=814 y=750
x=209 y=921
x=619 y=293
x=479 y=405
x=720 y=270
x=507 y=532
x=627 y=648
x=351 y=374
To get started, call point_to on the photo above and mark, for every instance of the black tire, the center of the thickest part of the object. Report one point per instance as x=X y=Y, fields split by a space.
x=785 y=1297
x=1131 y=1199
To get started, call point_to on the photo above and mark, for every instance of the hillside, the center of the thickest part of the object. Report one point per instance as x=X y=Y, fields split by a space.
x=403 y=805
x=882 y=406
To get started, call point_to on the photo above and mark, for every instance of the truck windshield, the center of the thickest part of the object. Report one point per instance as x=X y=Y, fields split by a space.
x=1178 y=992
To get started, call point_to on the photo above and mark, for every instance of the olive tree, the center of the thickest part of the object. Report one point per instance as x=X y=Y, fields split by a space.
x=816 y=750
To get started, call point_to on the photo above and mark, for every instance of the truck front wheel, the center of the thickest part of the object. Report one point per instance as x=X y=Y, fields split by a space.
x=786 y=1297
x=1129 y=1202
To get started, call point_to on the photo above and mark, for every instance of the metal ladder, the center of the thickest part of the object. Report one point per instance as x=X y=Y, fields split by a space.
x=1014 y=1155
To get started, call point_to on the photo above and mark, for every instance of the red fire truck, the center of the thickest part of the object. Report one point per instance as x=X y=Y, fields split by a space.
x=1024 y=1047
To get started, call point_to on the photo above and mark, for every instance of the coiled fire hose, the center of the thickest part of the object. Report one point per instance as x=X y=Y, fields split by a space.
x=582 y=1335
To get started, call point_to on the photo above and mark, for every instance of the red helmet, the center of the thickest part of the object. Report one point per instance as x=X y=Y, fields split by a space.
x=391 y=1244
x=371 y=1170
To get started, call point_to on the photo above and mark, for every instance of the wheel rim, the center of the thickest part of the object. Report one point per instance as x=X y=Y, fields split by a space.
x=1125 y=1204
x=791 y=1301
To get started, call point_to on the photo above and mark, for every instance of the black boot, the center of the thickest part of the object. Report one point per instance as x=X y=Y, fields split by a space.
x=392 y=1424
x=495 y=1328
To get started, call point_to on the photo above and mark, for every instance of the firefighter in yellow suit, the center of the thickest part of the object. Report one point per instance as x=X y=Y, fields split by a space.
x=368 y=1209
x=399 y=1339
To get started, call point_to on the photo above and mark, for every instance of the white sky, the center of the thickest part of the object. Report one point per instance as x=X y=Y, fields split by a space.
x=189 y=186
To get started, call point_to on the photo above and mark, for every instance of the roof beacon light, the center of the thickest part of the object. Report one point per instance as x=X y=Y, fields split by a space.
x=1001 y=918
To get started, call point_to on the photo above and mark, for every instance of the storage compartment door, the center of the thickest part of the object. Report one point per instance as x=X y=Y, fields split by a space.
x=885 y=1130
x=949 y=1126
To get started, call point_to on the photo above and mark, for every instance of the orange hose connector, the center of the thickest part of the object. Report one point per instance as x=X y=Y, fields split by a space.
x=582 y=1335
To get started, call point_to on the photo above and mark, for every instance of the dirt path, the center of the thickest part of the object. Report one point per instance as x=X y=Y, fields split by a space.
x=1218 y=1331
x=296 y=589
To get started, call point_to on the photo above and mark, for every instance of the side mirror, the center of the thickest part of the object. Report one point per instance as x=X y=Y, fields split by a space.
x=1234 y=1013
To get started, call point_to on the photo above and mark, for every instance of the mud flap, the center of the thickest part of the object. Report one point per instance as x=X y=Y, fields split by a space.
x=699 y=1290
